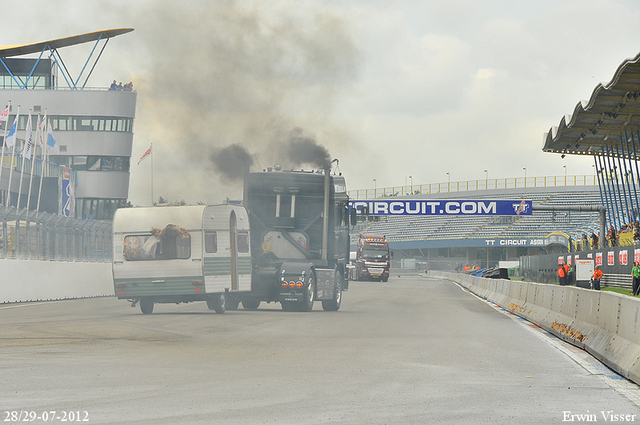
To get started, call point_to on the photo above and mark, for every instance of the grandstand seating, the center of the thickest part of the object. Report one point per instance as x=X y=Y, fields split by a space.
x=540 y=224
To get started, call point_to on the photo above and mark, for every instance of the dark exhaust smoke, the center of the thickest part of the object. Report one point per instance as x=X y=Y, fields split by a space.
x=232 y=162
x=305 y=150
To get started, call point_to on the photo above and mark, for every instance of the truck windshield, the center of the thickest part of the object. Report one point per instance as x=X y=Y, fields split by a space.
x=375 y=253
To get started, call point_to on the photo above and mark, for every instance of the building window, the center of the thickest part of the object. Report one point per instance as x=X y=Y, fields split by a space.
x=98 y=209
x=88 y=123
x=93 y=163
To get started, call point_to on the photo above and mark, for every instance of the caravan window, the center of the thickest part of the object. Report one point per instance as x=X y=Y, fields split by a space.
x=210 y=242
x=140 y=247
x=243 y=242
x=167 y=244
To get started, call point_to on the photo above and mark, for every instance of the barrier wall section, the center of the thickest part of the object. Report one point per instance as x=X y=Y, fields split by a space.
x=605 y=324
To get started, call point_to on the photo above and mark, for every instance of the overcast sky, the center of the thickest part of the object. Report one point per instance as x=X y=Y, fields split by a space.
x=391 y=89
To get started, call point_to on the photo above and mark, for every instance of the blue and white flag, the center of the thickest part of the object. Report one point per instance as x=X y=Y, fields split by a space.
x=51 y=141
x=11 y=137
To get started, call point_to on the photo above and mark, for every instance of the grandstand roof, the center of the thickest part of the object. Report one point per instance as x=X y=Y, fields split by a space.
x=25 y=49
x=612 y=110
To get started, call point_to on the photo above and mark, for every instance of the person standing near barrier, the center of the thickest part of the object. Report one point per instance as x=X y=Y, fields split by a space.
x=635 y=272
x=597 y=274
x=562 y=274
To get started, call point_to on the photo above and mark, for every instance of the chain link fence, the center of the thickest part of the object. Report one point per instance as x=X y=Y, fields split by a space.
x=32 y=235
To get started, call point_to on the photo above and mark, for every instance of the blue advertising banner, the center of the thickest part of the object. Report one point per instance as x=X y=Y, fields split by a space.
x=441 y=207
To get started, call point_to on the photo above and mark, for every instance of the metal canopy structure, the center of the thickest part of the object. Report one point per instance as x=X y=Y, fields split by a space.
x=612 y=110
x=607 y=127
x=52 y=46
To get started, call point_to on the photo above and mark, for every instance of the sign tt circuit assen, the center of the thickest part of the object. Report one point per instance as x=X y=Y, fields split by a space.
x=441 y=207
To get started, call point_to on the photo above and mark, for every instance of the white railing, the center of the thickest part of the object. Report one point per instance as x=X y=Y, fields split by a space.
x=471 y=185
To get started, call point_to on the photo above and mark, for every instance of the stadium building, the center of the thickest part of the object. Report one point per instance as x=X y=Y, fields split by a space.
x=446 y=241
x=93 y=126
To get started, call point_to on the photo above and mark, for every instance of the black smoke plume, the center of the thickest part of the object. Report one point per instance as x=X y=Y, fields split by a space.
x=232 y=161
x=305 y=150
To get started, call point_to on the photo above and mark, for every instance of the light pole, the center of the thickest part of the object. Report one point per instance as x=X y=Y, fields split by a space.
x=525 y=176
x=448 y=182
x=374 y=188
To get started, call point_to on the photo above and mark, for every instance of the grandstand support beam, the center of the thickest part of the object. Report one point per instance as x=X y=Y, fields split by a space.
x=580 y=208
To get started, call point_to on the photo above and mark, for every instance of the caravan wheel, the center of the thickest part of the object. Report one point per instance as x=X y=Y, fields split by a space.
x=218 y=303
x=146 y=305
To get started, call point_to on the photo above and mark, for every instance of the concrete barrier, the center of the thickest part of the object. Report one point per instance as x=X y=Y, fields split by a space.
x=29 y=280
x=605 y=324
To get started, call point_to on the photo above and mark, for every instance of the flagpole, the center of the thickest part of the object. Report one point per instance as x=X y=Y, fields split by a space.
x=44 y=156
x=33 y=162
x=4 y=142
x=24 y=151
x=151 y=173
x=13 y=156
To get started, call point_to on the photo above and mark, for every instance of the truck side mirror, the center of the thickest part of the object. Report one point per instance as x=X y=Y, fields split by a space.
x=354 y=217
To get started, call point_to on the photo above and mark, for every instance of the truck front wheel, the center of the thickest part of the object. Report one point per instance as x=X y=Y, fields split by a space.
x=250 y=304
x=334 y=304
x=232 y=304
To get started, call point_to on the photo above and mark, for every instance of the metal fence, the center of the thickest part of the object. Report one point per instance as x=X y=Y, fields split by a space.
x=471 y=185
x=32 y=235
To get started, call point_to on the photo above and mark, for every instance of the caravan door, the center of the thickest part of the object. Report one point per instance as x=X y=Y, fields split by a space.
x=233 y=239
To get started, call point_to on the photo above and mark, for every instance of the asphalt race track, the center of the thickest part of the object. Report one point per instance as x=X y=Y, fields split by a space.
x=409 y=351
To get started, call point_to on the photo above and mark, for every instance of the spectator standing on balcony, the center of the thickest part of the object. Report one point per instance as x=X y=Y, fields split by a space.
x=597 y=274
x=635 y=272
x=113 y=86
x=594 y=240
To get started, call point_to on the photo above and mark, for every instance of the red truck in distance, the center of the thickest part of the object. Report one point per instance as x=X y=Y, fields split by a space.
x=373 y=258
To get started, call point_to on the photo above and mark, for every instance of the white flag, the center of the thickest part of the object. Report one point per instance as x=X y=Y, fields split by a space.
x=52 y=145
x=11 y=137
x=28 y=144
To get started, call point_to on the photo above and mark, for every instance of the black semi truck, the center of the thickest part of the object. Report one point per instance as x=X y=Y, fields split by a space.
x=299 y=224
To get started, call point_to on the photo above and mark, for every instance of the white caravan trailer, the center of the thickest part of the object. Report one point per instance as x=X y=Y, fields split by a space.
x=181 y=254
